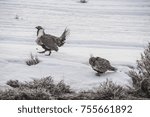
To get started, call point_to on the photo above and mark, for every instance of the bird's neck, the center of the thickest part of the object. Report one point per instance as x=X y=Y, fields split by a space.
x=40 y=33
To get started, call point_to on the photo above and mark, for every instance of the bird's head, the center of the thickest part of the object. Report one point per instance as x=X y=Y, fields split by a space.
x=39 y=27
x=92 y=60
x=40 y=31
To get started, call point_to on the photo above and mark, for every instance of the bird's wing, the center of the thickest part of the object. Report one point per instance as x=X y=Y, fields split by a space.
x=49 y=42
x=56 y=39
x=101 y=65
x=103 y=62
x=98 y=65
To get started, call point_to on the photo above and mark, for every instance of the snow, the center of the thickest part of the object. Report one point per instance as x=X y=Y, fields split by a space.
x=117 y=30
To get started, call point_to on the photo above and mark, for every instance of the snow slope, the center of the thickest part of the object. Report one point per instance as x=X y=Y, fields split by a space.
x=117 y=30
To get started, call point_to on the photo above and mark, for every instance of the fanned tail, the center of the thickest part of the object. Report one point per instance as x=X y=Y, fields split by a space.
x=63 y=37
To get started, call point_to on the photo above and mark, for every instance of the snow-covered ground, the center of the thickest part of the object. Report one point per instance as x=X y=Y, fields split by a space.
x=117 y=30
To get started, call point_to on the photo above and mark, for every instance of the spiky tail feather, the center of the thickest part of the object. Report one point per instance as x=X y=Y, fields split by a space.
x=63 y=37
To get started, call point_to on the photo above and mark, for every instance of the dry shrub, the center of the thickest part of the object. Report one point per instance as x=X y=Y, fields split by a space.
x=44 y=88
x=141 y=76
x=106 y=91
x=33 y=60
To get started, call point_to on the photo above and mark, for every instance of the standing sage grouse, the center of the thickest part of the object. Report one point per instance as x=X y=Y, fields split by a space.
x=100 y=65
x=49 y=42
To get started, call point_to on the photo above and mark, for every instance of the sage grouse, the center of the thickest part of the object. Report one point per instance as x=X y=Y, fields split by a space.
x=100 y=65
x=50 y=42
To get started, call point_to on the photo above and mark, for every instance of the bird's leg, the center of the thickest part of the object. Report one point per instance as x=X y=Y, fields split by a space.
x=49 y=53
x=99 y=74
x=42 y=51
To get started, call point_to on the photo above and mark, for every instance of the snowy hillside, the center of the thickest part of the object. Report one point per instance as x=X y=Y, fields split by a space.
x=117 y=30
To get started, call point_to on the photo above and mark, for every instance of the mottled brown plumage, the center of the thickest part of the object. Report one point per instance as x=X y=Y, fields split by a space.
x=50 y=42
x=100 y=65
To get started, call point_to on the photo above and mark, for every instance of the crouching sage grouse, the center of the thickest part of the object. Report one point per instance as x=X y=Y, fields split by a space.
x=100 y=65
x=49 y=42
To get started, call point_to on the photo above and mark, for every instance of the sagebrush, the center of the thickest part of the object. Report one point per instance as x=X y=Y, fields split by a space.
x=141 y=75
x=33 y=60
x=47 y=89
x=44 y=88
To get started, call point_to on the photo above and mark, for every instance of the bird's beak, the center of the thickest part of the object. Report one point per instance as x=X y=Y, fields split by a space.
x=36 y=27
